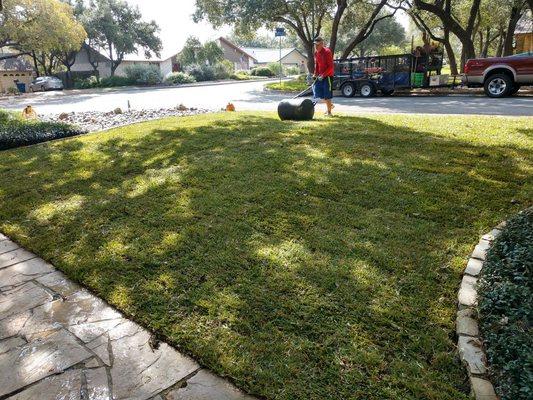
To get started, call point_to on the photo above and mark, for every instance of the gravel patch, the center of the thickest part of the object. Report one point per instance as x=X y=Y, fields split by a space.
x=91 y=121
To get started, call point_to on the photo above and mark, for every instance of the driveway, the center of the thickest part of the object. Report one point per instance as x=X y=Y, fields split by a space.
x=251 y=96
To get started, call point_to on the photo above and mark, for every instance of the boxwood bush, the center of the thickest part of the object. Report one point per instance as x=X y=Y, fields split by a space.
x=506 y=309
x=262 y=71
x=201 y=73
x=178 y=78
x=17 y=133
x=142 y=74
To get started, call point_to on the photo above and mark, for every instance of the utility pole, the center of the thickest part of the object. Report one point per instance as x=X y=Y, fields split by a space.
x=280 y=32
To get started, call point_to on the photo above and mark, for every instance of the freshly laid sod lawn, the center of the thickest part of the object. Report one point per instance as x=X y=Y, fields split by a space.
x=312 y=260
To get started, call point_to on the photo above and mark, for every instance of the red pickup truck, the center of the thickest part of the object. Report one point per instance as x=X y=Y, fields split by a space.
x=500 y=76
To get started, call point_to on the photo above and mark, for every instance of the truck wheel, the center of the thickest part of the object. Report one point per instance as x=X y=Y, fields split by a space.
x=498 y=85
x=367 y=90
x=348 y=89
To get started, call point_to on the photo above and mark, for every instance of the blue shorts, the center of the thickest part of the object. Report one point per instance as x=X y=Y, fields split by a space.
x=323 y=89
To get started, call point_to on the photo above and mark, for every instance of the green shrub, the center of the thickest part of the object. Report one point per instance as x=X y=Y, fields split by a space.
x=224 y=69
x=16 y=133
x=178 y=78
x=262 y=71
x=201 y=72
x=240 y=77
x=506 y=310
x=275 y=68
x=6 y=116
x=242 y=72
x=86 y=83
x=142 y=74
x=292 y=71
x=115 y=81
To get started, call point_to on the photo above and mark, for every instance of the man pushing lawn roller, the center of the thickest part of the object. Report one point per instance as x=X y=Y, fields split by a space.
x=297 y=109
x=324 y=72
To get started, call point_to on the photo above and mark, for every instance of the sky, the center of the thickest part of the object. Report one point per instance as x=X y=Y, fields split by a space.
x=174 y=19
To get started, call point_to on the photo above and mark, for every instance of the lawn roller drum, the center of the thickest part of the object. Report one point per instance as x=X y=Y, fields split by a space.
x=297 y=109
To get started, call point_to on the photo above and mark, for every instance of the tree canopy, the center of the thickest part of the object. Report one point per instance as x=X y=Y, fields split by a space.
x=117 y=27
x=194 y=52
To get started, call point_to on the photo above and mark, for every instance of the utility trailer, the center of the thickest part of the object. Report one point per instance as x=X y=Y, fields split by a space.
x=370 y=75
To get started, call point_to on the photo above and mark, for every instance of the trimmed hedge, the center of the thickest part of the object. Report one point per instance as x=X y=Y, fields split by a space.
x=15 y=133
x=178 y=78
x=262 y=71
x=506 y=309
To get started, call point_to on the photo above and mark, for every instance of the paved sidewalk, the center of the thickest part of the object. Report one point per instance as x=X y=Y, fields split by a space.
x=58 y=341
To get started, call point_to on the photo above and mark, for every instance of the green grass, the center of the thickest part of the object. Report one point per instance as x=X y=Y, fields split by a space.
x=305 y=260
x=295 y=85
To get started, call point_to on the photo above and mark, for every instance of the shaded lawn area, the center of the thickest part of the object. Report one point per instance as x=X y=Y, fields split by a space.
x=304 y=260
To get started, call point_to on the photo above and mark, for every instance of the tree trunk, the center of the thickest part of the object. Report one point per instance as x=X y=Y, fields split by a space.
x=516 y=14
x=450 y=52
x=341 y=7
x=499 y=48
x=35 y=64
x=310 y=50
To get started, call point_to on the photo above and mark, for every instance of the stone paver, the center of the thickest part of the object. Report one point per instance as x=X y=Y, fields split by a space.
x=467 y=292
x=58 y=341
x=7 y=245
x=23 y=272
x=64 y=386
x=466 y=324
x=38 y=359
x=14 y=257
x=207 y=386
x=483 y=389
x=471 y=352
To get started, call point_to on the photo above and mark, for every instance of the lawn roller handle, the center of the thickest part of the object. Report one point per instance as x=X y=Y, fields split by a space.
x=297 y=109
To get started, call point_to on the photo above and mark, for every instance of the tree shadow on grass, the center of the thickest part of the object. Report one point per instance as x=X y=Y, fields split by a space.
x=314 y=260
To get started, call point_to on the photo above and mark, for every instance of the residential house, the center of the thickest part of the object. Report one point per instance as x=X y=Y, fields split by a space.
x=12 y=70
x=290 y=57
x=241 y=59
x=523 y=42
x=166 y=64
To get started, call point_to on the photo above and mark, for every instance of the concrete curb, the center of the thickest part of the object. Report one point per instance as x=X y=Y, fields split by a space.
x=469 y=342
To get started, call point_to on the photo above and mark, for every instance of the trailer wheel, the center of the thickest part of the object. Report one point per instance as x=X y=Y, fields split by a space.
x=387 y=92
x=348 y=89
x=367 y=90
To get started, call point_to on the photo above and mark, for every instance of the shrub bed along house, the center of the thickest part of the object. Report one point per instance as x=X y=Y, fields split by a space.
x=144 y=74
x=262 y=71
x=15 y=132
x=506 y=310
x=179 y=78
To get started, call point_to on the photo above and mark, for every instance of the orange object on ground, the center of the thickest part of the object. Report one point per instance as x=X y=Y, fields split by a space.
x=230 y=107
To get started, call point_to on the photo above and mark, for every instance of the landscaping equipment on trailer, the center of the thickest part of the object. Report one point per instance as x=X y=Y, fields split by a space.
x=385 y=74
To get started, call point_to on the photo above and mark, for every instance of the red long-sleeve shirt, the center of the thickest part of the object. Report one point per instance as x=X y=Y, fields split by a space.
x=324 y=62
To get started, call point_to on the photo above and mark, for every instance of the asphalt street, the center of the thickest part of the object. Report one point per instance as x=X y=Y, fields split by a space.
x=252 y=96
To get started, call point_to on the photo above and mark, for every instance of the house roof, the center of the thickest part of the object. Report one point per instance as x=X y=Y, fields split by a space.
x=15 y=64
x=139 y=57
x=240 y=49
x=266 y=56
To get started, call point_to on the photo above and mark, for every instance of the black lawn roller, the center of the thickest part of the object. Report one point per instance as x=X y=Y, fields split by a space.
x=297 y=109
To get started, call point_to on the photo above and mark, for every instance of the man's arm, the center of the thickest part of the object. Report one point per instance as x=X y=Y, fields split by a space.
x=330 y=65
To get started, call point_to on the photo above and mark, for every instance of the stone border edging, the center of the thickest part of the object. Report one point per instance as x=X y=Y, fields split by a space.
x=469 y=341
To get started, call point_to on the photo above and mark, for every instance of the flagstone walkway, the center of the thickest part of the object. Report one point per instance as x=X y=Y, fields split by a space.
x=58 y=341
